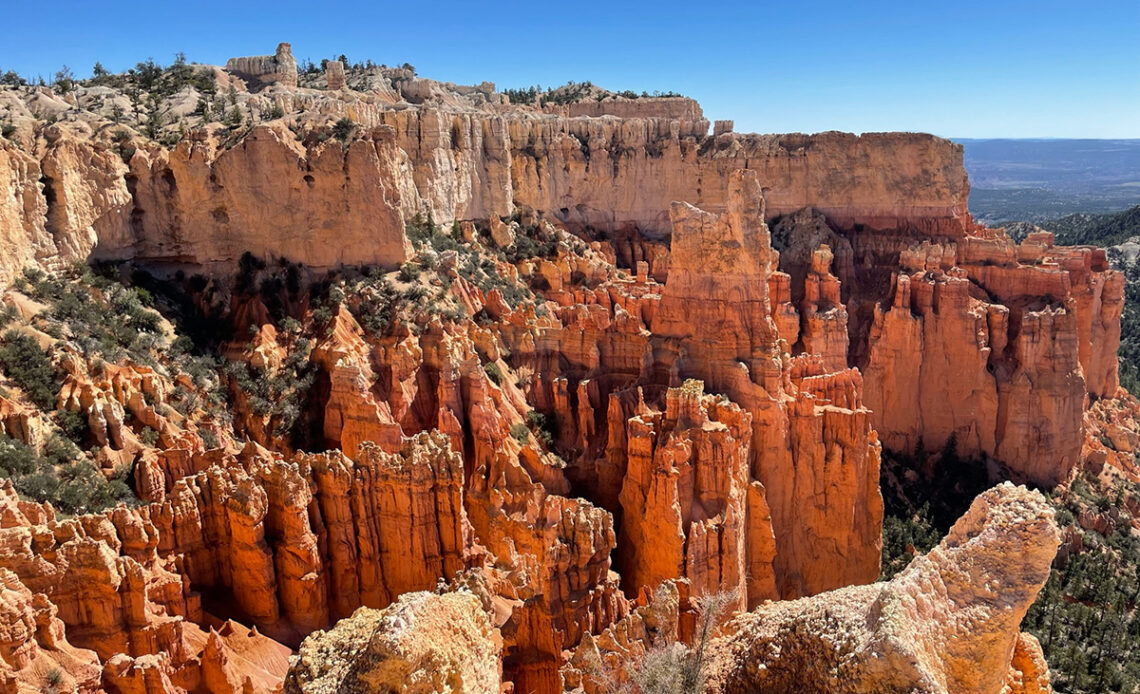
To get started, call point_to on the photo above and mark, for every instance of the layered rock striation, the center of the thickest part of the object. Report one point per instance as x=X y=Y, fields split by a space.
x=997 y=347
x=208 y=199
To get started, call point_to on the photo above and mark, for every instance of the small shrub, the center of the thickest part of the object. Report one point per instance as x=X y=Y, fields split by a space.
x=149 y=436
x=494 y=373
x=520 y=433
x=30 y=367
x=58 y=450
x=343 y=129
x=16 y=458
x=415 y=292
x=542 y=426
x=209 y=439
x=675 y=668
x=409 y=272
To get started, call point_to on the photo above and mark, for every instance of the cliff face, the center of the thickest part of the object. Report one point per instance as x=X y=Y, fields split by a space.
x=998 y=346
x=203 y=202
x=715 y=323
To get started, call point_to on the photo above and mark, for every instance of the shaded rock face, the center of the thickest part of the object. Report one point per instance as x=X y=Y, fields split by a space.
x=33 y=642
x=978 y=340
x=947 y=623
x=422 y=644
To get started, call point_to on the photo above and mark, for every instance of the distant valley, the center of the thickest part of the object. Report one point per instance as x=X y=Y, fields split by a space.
x=1043 y=179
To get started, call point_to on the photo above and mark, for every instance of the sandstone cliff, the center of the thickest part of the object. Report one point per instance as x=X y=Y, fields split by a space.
x=996 y=345
x=80 y=193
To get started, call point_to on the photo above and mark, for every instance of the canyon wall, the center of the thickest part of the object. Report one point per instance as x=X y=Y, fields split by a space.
x=996 y=347
x=205 y=201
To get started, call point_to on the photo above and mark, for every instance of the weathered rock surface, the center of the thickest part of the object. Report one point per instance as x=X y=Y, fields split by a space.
x=264 y=70
x=947 y=623
x=996 y=345
x=422 y=644
x=686 y=498
x=204 y=203
x=715 y=324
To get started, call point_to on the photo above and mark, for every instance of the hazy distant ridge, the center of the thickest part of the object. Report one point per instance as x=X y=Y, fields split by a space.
x=1040 y=179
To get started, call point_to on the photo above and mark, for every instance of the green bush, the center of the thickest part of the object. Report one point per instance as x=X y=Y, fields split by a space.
x=16 y=459
x=343 y=129
x=279 y=396
x=542 y=426
x=409 y=272
x=494 y=373
x=30 y=367
x=61 y=477
x=520 y=433
x=209 y=439
x=149 y=436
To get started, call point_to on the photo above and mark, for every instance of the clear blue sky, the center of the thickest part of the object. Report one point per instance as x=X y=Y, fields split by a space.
x=957 y=68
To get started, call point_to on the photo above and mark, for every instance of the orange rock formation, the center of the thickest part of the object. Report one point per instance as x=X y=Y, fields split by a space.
x=686 y=401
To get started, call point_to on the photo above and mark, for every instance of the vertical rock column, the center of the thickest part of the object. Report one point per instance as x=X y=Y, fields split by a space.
x=686 y=496
x=814 y=458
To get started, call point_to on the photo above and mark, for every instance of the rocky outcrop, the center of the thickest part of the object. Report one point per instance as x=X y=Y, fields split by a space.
x=422 y=644
x=1028 y=671
x=686 y=499
x=599 y=662
x=208 y=200
x=264 y=70
x=289 y=200
x=947 y=623
x=33 y=644
x=334 y=75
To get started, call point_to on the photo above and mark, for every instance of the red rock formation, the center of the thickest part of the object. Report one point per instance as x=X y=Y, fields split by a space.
x=352 y=414
x=459 y=448
x=468 y=165
x=686 y=499
x=33 y=644
x=1028 y=672
x=990 y=343
x=733 y=345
